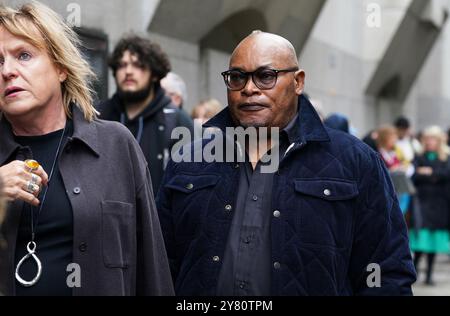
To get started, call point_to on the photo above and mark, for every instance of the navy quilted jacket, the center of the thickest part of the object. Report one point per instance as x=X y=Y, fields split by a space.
x=339 y=215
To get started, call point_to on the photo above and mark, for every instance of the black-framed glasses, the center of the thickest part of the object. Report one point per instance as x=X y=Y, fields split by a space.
x=264 y=78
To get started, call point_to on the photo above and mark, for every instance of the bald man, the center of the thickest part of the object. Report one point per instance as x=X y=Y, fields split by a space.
x=324 y=222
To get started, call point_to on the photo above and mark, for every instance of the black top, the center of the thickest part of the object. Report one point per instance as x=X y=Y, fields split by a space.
x=54 y=231
x=247 y=266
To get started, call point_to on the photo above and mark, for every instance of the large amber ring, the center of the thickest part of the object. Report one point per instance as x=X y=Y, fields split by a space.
x=32 y=165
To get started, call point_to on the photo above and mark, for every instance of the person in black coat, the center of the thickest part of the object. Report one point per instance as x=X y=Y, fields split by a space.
x=138 y=66
x=431 y=179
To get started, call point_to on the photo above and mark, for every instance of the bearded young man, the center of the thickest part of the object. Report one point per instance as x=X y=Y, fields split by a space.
x=140 y=103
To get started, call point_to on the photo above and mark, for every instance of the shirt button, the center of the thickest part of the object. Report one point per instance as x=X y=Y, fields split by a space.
x=82 y=247
x=228 y=208
x=277 y=214
x=255 y=198
x=327 y=192
x=77 y=190
x=190 y=186
x=277 y=266
x=160 y=157
x=216 y=258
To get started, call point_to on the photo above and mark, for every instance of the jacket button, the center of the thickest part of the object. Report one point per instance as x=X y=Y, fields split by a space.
x=189 y=186
x=327 y=192
x=77 y=190
x=255 y=198
x=277 y=266
x=236 y=166
x=82 y=247
x=161 y=128
x=242 y=285
x=160 y=157
x=277 y=214
x=228 y=208
x=216 y=258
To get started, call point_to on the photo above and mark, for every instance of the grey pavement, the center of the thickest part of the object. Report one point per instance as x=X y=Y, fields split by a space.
x=441 y=278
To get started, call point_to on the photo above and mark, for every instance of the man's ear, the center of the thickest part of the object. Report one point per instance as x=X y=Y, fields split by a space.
x=300 y=81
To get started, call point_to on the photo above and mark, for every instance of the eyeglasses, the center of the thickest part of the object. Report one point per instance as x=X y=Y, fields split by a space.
x=264 y=78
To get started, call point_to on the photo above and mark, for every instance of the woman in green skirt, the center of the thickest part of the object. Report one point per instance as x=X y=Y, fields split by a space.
x=431 y=179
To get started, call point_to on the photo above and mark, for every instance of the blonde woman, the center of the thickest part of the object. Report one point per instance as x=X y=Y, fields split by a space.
x=79 y=191
x=387 y=138
x=431 y=179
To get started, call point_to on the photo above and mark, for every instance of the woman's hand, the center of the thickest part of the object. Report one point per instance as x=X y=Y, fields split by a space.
x=22 y=184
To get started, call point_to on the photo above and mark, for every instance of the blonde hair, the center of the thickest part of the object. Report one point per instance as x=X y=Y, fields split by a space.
x=438 y=133
x=384 y=133
x=212 y=108
x=62 y=45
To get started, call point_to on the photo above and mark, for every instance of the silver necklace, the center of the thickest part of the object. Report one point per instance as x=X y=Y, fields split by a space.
x=31 y=246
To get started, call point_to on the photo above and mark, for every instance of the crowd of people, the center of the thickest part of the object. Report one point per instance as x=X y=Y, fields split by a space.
x=424 y=160
x=95 y=185
x=419 y=166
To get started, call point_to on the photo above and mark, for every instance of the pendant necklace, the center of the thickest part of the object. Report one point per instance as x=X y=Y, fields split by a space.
x=31 y=246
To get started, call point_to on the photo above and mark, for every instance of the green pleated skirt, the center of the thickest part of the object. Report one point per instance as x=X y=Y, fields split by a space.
x=430 y=241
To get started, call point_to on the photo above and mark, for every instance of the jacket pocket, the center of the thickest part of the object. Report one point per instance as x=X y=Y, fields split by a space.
x=191 y=183
x=190 y=198
x=327 y=189
x=324 y=211
x=118 y=233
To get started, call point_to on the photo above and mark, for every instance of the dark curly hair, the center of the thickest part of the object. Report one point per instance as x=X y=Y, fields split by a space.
x=149 y=54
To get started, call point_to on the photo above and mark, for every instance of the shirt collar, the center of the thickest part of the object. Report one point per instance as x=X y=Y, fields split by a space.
x=291 y=130
x=85 y=131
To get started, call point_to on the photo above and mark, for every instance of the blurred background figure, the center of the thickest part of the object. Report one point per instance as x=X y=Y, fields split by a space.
x=406 y=143
x=400 y=169
x=448 y=137
x=431 y=178
x=138 y=65
x=339 y=122
x=206 y=110
x=407 y=147
x=386 y=145
x=175 y=88
x=371 y=139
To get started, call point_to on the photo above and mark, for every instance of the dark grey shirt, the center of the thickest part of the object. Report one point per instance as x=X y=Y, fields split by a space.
x=247 y=266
